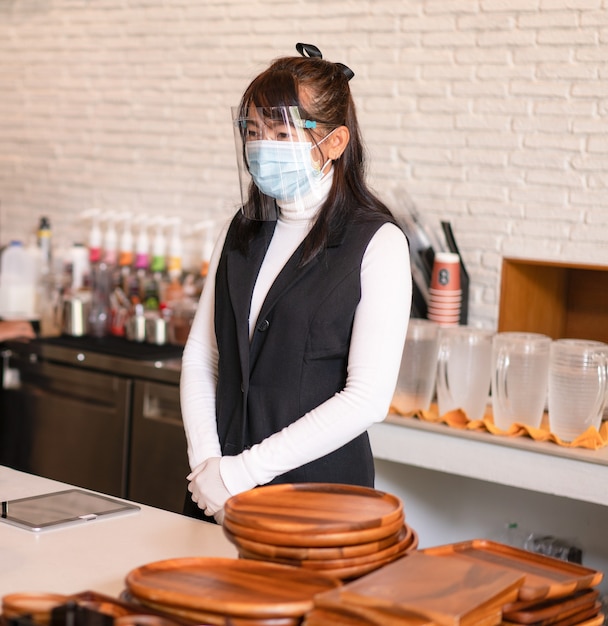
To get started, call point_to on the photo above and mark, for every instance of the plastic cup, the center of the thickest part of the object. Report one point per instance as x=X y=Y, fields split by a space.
x=577 y=386
x=463 y=370
x=520 y=372
x=416 y=381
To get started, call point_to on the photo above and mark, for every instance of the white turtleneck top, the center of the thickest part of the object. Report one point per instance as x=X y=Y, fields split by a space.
x=379 y=330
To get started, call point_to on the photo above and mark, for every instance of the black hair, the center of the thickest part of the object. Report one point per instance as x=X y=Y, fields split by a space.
x=328 y=102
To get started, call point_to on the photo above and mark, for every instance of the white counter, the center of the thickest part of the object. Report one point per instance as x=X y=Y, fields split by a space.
x=96 y=555
x=512 y=461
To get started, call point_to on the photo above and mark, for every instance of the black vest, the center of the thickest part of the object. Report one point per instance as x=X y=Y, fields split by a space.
x=298 y=354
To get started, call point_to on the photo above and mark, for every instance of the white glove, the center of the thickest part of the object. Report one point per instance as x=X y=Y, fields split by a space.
x=219 y=517
x=207 y=486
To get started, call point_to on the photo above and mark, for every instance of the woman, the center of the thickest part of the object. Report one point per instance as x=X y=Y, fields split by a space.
x=296 y=345
x=16 y=329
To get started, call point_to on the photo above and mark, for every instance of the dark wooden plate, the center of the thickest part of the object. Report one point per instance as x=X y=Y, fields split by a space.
x=38 y=605
x=314 y=540
x=348 y=573
x=302 y=553
x=205 y=618
x=531 y=612
x=356 y=571
x=313 y=508
x=235 y=587
x=125 y=610
x=598 y=620
x=545 y=577
x=569 y=618
x=407 y=544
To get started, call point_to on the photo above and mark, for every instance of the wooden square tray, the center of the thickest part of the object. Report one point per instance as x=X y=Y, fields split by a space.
x=545 y=577
x=447 y=590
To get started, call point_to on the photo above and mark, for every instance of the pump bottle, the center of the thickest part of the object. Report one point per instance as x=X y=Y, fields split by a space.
x=174 y=291
x=125 y=254
x=44 y=239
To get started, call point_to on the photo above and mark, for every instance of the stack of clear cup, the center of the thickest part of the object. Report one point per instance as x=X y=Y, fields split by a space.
x=416 y=381
x=445 y=293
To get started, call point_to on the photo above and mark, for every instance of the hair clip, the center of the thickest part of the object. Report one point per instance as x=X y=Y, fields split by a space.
x=346 y=70
x=311 y=51
x=308 y=50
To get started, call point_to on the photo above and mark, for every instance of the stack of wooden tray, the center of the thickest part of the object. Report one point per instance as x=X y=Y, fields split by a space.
x=461 y=584
x=87 y=607
x=343 y=531
x=421 y=589
x=555 y=592
x=582 y=607
x=226 y=592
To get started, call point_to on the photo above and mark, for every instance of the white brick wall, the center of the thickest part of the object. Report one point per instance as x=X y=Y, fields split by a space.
x=492 y=114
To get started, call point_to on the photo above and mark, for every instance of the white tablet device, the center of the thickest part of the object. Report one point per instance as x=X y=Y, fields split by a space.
x=61 y=508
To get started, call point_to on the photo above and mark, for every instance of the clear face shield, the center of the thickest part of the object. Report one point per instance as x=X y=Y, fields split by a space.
x=278 y=159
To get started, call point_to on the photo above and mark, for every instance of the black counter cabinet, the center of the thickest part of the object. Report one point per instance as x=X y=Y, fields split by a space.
x=102 y=415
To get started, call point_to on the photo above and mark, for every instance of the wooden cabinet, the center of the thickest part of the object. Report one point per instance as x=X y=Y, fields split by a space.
x=557 y=299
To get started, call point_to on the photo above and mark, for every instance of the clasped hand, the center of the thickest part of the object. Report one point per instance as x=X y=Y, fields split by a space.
x=208 y=489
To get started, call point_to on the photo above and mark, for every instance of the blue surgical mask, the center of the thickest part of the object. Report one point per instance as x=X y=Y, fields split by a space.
x=283 y=169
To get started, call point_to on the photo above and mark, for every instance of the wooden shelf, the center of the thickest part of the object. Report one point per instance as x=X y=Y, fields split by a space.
x=557 y=299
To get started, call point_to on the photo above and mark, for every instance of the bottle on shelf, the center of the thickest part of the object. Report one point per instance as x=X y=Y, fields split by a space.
x=174 y=290
x=50 y=283
x=44 y=240
x=101 y=288
x=126 y=254
x=513 y=535
x=18 y=281
x=207 y=228
x=110 y=241
x=141 y=263
x=78 y=268
x=158 y=262
x=155 y=278
x=95 y=235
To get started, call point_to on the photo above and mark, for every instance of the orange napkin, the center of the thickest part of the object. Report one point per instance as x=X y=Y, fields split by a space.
x=591 y=439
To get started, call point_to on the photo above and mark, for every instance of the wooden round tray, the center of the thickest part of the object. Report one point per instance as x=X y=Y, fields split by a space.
x=353 y=571
x=313 y=508
x=302 y=553
x=219 y=619
x=236 y=587
x=311 y=539
x=406 y=540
